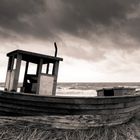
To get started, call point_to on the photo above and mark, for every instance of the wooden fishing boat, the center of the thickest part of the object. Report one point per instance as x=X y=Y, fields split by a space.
x=37 y=96
x=92 y=111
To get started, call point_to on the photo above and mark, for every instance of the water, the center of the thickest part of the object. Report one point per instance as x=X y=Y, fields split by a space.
x=88 y=89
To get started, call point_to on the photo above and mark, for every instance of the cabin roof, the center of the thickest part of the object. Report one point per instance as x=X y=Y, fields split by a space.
x=34 y=57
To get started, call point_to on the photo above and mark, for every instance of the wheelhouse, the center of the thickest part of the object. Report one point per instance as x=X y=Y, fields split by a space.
x=38 y=83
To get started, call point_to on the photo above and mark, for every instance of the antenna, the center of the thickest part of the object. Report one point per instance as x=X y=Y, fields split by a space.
x=55 y=45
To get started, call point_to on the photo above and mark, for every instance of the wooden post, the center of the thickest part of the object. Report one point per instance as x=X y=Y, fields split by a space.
x=47 y=70
x=25 y=75
x=17 y=71
x=39 y=69
x=55 y=74
x=9 y=70
x=11 y=63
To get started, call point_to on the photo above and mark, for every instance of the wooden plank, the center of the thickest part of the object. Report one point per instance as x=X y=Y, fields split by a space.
x=47 y=70
x=25 y=75
x=70 y=100
x=8 y=74
x=69 y=109
x=10 y=63
x=27 y=54
x=17 y=70
x=55 y=73
x=39 y=69
x=62 y=105
x=74 y=122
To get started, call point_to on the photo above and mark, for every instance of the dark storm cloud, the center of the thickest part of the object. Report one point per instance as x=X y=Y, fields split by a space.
x=46 y=18
x=10 y=10
x=82 y=18
x=81 y=15
x=22 y=17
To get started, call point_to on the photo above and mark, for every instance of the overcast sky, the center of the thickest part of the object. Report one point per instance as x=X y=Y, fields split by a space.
x=98 y=39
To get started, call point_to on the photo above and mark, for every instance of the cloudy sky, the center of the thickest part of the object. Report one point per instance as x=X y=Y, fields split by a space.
x=98 y=39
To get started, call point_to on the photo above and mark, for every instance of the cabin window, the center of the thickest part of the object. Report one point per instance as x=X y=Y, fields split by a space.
x=50 y=69
x=32 y=68
x=109 y=92
x=14 y=64
x=44 y=68
x=22 y=71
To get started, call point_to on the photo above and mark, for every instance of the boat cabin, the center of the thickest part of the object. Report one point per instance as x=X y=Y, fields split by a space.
x=116 y=91
x=38 y=83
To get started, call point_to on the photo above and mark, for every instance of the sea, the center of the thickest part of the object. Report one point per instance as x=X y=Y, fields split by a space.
x=86 y=89
x=89 y=89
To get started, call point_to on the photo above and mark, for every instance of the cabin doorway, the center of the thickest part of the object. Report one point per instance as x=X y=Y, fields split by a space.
x=108 y=92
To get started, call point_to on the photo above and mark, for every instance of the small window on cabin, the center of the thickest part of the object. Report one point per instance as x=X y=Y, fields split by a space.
x=50 y=70
x=44 y=68
x=14 y=65
x=109 y=92
x=32 y=69
x=22 y=71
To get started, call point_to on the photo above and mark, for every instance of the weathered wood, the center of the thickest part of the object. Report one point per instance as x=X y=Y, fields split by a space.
x=25 y=74
x=34 y=57
x=55 y=73
x=39 y=59
x=77 y=107
x=9 y=71
x=39 y=69
x=63 y=122
x=102 y=111
x=70 y=100
x=17 y=71
x=67 y=105
x=47 y=70
x=10 y=63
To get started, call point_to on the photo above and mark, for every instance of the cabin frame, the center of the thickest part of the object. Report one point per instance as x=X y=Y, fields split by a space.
x=39 y=83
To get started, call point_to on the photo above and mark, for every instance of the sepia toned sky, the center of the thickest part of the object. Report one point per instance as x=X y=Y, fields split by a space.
x=98 y=39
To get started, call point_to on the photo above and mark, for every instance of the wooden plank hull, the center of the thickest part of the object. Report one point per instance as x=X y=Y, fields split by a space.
x=98 y=111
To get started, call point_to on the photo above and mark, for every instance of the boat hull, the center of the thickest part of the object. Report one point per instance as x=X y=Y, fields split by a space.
x=98 y=111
